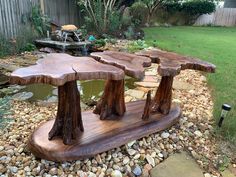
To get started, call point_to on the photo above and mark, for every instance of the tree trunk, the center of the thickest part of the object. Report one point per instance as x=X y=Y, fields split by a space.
x=112 y=103
x=149 y=16
x=163 y=98
x=68 y=123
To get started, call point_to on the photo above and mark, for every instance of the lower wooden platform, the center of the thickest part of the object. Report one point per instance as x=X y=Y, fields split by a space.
x=100 y=135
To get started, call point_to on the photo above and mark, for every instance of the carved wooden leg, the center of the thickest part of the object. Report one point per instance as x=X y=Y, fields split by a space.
x=163 y=98
x=112 y=102
x=147 y=108
x=68 y=122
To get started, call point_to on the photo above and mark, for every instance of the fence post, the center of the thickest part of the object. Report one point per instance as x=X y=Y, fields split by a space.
x=42 y=6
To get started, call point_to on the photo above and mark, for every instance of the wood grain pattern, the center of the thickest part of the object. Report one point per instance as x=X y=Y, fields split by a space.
x=112 y=103
x=68 y=123
x=133 y=65
x=170 y=64
x=57 y=69
x=163 y=97
x=147 y=107
x=100 y=135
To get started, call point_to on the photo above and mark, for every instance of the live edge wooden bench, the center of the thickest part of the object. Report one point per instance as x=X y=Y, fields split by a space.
x=74 y=135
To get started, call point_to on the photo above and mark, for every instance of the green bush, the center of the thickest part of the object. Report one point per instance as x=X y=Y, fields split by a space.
x=40 y=22
x=23 y=42
x=196 y=8
x=100 y=43
x=137 y=45
x=139 y=12
x=192 y=7
x=101 y=17
x=5 y=46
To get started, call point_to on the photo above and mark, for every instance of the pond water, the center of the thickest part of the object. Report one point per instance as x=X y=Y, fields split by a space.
x=90 y=90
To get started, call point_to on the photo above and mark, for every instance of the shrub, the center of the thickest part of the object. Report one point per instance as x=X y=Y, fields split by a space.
x=196 y=8
x=139 y=12
x=100 y=43
x=191 y=9
x=23 y=42
x=40 y=22
x=101 y=16
x=5 y=46
x=137 y=45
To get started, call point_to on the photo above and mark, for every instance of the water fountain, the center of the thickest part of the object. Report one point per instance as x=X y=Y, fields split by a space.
x=67 y=38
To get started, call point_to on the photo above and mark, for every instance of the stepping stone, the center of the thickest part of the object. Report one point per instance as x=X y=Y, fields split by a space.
x=178 y=165
x=150 y=79
x=135 y=93
x=147 y=84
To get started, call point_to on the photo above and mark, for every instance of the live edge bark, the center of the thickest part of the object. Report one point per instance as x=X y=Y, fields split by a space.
x=163 y=97
x=68 y=123
x=112 y=103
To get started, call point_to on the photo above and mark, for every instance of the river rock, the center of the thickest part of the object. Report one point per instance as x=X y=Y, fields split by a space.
x=22 y=96
x=126 y=160
x=53 y=171
x=116 y=173
x=165 y=135
x=13 y=169
x=150 y=160
x=198 y=133
x=137 y=171
x=3 y=169
x=131 y=151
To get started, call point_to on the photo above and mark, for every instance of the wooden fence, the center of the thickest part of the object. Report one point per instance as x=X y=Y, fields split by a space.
x=16 y=13
x=221 y=17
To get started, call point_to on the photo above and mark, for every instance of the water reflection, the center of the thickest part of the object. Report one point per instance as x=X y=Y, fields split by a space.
x=90 y=90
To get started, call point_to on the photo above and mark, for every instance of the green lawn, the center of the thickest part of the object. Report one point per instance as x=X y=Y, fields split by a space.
x=214 y=44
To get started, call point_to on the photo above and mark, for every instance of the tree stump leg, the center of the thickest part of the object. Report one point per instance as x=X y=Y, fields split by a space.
x=68 y=121
x=163 y=98
x=147 y=108
x=112 y=103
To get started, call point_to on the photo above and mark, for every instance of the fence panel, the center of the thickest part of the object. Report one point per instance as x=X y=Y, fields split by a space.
x=221 y=17
x=15 y=13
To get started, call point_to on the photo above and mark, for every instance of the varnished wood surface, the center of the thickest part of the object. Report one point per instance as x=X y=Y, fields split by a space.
x=100 y=136
x=68 y=123
x=172 y=63
x=112 y=102
x=57 y=69
x=132 y=64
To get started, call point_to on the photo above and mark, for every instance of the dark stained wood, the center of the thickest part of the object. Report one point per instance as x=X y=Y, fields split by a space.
x=68 y=123
x=147 y=108
x=172 y=63
x=57 y=69
x=101 y=136
x=163 y=97
x=133 y=65
x=63 y=70
x=112 y=103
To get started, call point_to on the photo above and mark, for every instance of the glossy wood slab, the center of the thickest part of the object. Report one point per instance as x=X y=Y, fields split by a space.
x=100 y=136
x=170 y=63
x=57 y=69
x=133 y=65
